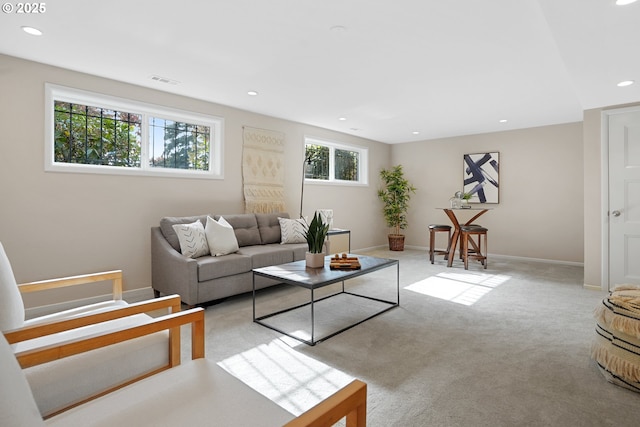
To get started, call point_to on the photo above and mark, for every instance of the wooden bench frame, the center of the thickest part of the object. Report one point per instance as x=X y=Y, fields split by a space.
x=169 y=304
x=349 y=402
x=115 y=276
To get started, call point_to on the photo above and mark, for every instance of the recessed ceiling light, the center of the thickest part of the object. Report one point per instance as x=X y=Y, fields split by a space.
x=338 y=29
x=342 y=119
x=626 y=83
x=503 y=121
x=252 y=93
x=415 y=132
x=32 y=31
x=624 y=2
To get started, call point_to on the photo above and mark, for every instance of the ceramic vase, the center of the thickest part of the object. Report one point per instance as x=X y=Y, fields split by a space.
x=314 y=260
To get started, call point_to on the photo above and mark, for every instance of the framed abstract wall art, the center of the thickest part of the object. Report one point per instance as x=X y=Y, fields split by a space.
x=481 y=177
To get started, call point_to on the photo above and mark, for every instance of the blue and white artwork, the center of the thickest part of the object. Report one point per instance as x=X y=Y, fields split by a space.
x=481 y=177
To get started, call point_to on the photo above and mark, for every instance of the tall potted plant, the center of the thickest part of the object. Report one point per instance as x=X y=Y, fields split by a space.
x=395 y=194
x=316 y=234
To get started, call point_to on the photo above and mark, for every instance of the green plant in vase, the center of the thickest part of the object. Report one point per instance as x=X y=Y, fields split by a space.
x=315 y=235
x=466 y=197
x=395 y=194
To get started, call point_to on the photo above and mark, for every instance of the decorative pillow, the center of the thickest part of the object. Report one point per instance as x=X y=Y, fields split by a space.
x=292 y=230
x=167 y=223
x=193 y=241
x=12 y=309
x=220 y=237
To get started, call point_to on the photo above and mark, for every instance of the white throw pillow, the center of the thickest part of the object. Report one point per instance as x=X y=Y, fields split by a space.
x=292 y=230
x=12 y=307
x=220 y=237
x=193 y=242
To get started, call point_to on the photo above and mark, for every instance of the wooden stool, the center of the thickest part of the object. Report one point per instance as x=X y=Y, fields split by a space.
x=471 y=249
x=479 y=251
x=433 y=229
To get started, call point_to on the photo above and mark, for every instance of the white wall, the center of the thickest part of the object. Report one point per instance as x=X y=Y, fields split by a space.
x=541 y=189
x=58 y=224
x=55 y=224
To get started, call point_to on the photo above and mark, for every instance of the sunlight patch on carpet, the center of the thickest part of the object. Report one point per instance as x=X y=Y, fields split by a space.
x=462 y=288
x=293 y=380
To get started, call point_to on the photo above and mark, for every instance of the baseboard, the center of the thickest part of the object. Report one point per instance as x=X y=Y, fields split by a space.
x=515 y=258
x=371 y=248
x=133 y=295
x=543 y=260
x=592 y=287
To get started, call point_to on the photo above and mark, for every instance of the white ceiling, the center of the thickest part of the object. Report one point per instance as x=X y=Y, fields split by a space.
x=442 y=68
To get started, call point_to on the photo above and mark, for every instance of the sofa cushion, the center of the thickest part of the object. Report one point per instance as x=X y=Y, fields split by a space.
x=167 y=223
x=220 y=237
x=269 y=226
x=246 y=228
x=292 y=230
x=266 y=255
x=215 y=267
x=12 y=308
x=299 y=250
x=193 y=241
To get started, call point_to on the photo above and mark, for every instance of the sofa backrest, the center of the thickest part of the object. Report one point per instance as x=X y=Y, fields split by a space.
x=245 y=226
x=269 y=226
x=167 y=223
x=250 y=229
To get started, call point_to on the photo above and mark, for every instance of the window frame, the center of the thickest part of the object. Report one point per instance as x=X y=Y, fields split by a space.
x=363 y=163
x=146 y=110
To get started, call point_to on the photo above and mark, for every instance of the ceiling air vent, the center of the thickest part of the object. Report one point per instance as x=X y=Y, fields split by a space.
x=164 y=80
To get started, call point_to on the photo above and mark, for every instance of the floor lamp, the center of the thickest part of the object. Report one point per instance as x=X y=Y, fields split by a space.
x=305 y=163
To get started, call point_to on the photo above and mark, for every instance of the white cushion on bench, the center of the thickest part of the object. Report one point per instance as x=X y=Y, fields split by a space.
x=17 y=407
x=98 y=307
x=60 y=383
x=197 y=393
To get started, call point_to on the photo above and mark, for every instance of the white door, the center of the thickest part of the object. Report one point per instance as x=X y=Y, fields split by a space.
x=624 y=198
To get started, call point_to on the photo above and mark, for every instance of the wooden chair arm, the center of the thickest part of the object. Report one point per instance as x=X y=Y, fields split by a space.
x=171 y=302
x=350 y=401
x=115 y=276
x=52 y=352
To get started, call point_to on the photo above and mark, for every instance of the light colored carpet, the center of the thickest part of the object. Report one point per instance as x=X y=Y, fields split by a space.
x=498 y=347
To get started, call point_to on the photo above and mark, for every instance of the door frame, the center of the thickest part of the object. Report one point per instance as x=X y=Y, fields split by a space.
x=604 y=200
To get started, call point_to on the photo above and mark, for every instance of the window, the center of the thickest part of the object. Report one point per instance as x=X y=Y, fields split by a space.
x=333 y=162
x=88 y=132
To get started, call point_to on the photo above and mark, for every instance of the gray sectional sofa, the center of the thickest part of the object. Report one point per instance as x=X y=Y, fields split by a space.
x=210 y=278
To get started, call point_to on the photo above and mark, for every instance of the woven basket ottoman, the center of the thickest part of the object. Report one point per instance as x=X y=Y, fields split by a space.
x=616 y=348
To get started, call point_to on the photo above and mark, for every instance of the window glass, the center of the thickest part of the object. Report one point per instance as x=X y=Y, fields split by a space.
x=96 y=136
x=346 y=165
x=101 y=134
x=317 y=162
x=334 y=162
x=178 y=145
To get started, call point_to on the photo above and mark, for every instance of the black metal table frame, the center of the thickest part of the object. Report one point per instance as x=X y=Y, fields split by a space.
x=349 y=274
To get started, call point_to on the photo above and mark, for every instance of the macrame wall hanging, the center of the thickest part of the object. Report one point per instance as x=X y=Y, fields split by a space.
x=263 y=170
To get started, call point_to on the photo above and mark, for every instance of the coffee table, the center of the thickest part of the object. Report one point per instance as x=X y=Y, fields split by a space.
x=297 y=274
